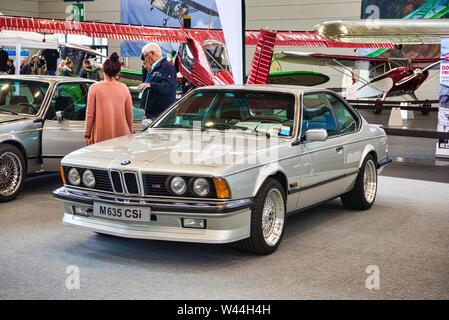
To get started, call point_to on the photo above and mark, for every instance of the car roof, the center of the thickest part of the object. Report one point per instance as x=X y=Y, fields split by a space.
x=266 y=87
x=44 y=78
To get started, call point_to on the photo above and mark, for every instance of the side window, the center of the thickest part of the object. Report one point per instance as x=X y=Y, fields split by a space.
x=347 y=122
x=187 y=57
x=71 y=99
x=317 y=114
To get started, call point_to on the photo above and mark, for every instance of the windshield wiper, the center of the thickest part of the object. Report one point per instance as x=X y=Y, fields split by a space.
x=231 y=126
x=224 y=126
x=173 y=125
x=6 y=110
x=267 y=134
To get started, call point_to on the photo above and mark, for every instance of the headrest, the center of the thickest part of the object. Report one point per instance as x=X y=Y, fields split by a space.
x=18 y=99
x=63 y=102
x=312 y=102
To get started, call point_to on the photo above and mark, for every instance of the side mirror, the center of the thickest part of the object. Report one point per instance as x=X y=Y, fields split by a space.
x=316 y=135
x=146 y=123
x=59 y=116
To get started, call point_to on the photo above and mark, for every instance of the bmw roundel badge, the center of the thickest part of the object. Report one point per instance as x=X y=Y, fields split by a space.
x=125 y=162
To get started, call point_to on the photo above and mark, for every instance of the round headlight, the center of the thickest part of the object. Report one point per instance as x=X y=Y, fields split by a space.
x=88 y=179
x=74 y=177
x=201 y=187
x=178 y=186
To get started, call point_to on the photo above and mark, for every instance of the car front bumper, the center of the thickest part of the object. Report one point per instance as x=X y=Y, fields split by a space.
x=226 y=221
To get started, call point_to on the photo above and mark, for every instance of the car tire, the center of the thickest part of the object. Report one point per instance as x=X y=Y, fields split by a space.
x=363 y=194
x=266 y=240
x=12 y=172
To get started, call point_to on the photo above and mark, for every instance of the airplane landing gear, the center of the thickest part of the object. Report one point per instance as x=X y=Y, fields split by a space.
x=425 y=107
x=377 y=109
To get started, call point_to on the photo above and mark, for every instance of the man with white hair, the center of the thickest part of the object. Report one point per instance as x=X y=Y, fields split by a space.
x=158 y=91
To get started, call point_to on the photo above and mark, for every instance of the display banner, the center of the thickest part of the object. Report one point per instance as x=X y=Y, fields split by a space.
x=169 y=13
x=233 y=21
x=442 y=148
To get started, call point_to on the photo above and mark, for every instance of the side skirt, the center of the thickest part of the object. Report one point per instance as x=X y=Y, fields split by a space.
x=312 y=205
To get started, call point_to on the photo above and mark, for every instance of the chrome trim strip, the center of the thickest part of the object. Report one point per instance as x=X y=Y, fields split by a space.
x=310 y=186
x=64 y=194
x=101 y=193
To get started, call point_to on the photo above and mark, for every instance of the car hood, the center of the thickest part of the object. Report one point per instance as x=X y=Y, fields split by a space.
x=6 y=117
x=172 y=150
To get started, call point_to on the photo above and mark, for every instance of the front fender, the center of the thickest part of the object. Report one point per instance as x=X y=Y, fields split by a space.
x=11 y=139
x=266 y=171
x=5 y=137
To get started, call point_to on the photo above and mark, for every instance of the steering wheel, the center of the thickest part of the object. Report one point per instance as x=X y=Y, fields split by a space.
x=29 y=106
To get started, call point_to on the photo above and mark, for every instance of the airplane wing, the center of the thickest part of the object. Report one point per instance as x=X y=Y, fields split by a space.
x=165 y=34
x=320 y=59
x=82 y=48
x=310 y=39
x=297 y=78
x=202 y=8
x=393 y=31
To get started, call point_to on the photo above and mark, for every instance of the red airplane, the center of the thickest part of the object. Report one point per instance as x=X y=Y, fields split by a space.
x=389 y=77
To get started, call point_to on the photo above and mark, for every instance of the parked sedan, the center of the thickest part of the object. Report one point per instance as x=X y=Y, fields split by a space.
x=226 y=164
x=41 y=120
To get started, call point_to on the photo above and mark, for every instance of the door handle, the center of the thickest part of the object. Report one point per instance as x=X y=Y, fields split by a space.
x=339 y=148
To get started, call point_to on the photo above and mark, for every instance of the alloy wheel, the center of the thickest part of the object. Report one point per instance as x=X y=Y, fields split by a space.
x=10 y=173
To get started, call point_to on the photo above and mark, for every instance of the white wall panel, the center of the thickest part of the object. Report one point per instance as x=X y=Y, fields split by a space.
x=25 y=8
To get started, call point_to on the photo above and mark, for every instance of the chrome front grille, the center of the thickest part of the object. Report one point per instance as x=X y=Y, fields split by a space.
x=102 y=180
x=131 y=182
x=116 y=181
x=125 y=182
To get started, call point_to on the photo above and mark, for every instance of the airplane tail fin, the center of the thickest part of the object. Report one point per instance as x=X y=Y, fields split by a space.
x=260 y=67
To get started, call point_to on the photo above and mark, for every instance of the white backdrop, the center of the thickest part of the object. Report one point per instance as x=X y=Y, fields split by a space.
x=230 y=12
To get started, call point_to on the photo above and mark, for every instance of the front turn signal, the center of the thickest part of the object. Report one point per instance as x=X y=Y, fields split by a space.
x=62 y=175
x=222 y=189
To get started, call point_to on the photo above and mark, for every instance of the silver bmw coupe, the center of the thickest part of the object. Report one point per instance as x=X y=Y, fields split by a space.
x=226 y=164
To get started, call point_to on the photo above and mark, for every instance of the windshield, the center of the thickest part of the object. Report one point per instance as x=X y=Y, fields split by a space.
x=216 y=56
x=243 y=110
x=21 y=96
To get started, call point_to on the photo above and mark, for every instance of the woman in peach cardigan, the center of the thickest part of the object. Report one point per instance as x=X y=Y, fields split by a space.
x=109 y=111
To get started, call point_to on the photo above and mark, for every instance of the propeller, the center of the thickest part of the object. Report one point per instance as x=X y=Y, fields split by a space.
x=417 y=73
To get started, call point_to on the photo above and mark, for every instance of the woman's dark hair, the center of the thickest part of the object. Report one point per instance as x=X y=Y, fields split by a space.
x=112 y=65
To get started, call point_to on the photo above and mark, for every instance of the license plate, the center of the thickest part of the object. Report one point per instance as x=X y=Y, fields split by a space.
x=126 y=213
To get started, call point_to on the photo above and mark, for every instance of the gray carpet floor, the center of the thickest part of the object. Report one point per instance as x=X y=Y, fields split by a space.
x=324 y=254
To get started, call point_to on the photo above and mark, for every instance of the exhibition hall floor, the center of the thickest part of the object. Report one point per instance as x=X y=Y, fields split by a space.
x=324 y=254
